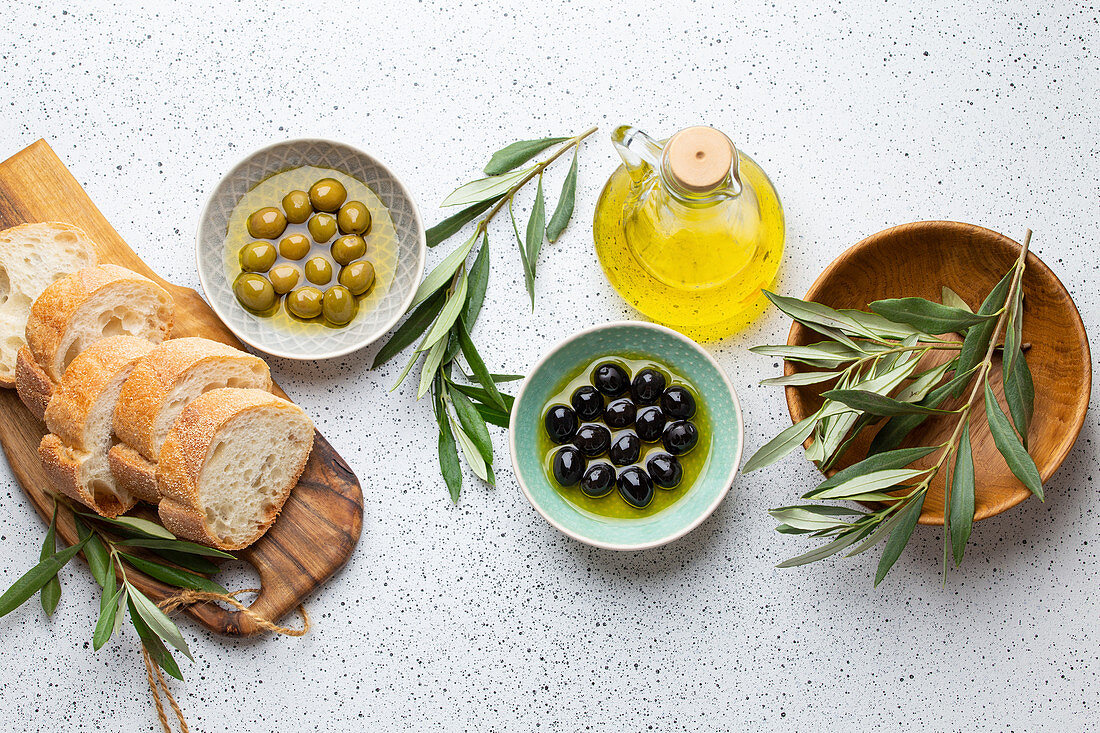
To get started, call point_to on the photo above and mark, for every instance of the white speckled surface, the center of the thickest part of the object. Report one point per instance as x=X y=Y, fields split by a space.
x=482 y=617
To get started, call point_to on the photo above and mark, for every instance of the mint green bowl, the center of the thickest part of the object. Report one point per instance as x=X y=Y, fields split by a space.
x=644 y=341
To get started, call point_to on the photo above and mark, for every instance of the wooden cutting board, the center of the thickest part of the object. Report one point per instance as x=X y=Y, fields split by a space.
x=320 y=522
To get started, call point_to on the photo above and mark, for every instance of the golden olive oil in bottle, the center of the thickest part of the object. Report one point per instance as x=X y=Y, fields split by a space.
x=689 y=232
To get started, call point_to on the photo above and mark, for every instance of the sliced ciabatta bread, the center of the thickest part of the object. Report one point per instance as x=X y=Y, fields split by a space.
x=35 y=388
x=169 y=377
x=93 y=303
x=80 y=417
x=31 y=257
x=229 y=463
x=134 y=473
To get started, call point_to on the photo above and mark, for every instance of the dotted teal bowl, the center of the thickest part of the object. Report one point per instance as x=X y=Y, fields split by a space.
x=643 y=341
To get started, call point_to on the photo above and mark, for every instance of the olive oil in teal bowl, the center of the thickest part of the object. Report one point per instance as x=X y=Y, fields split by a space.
x=610 y=521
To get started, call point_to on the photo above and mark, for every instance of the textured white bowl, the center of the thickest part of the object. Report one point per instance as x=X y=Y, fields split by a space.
x=319 y=342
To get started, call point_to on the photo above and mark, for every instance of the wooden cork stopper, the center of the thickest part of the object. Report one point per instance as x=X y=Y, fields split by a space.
x=699 y=158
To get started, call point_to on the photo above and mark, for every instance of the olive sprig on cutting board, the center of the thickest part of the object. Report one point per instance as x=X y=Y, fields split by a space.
x=877 y=360
x=113 y=547
x=448 y=302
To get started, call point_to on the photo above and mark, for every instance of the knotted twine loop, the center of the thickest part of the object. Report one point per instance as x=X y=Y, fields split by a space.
x=157 y=683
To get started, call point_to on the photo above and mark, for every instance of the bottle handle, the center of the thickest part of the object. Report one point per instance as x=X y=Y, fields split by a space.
x=640 y=153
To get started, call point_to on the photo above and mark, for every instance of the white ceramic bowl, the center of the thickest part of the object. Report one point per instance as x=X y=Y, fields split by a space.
x=312 y=341
x=719 y=420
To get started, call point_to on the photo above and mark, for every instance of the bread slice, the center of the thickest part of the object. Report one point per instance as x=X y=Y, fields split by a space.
x=80 y=417
x=32 y=384
x=228 y=465
x=31 y=257
x=169 y=377
x=134 y=473
x=93 y=303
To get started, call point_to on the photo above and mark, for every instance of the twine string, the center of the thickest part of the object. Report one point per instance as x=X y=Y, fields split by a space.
x=157 y=683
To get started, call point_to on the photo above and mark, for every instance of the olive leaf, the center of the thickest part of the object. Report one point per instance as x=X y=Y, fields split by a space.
x=492 y=415
x=452 y=309
x=32 y=581
x=448 y=454
x=564 y=210
x=811 y=517
x=444 y=272
x=800 y=379
x=415 y=325
x=518 y=153
x=825 y=551
x=816 y=316
x=483 y=189
x=134 y=524
x=470 y=451
x=962 y=496
x=976 y=343
x=782 y=444
x=156 y=620
x=899 y=537
x=536 y=229
x=924 y=383
x=870 y=483
x=180 y=546
x=108 y=613
x=1020 y=396
x=877 y=404
x=478 y=284
x=472 y=423
x=1010 y=447
x=194 y=563
x=500 y=401
x=453 y=224
x=50 y=595
x=824 y=354
x=431 y=364
x=172 y=576
x=528 y=271
x=952 y=299
x=95 y=553
x=882 y=462
x=894 y=431
x=150 y=641
x=930 y=317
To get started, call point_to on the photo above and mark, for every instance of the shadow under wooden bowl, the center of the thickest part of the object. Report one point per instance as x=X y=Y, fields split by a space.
x=917 y=260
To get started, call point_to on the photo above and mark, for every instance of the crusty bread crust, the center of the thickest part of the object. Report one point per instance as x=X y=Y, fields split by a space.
x=49 y=318
x=31 y=257
x=87 y=376
x=185 y=452
x=34 y=386
x=152 y=383
x=133 y=474
x=63 y=467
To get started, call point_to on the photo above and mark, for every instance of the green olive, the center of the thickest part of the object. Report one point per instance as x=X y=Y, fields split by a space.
x=257 y=257
x=254 y=292
x=297 y=207
x=354 y=218
x=294 y=246
x=318 y=270
x=284 y=277
x=322 y=227
x=267 y=223
x=305 y=302
x=339 y=305
x=358 y=277
x=348 y=248
x=327 y=194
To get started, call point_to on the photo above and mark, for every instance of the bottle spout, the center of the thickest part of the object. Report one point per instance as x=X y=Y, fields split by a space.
x=640 y=152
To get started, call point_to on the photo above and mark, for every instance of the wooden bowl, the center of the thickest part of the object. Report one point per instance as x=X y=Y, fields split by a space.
x=917 y=260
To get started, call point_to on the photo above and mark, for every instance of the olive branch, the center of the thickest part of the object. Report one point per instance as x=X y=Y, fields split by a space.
x=873 y=358
x=447 y=303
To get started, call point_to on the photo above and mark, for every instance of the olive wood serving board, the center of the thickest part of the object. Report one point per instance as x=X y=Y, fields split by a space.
x=320 y=523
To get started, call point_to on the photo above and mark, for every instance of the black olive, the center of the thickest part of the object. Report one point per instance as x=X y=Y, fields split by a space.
x=620 y=414
x=625 y=449
x=647 y=386
x=680 y=437
x=598 y=480
x=568 y=466
x=665 y=470
x=635 y=487
x=650 y=423
x=678 y=403
x=561 y=423
x=611 y=379
x=592 y=440
x=588 y=403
